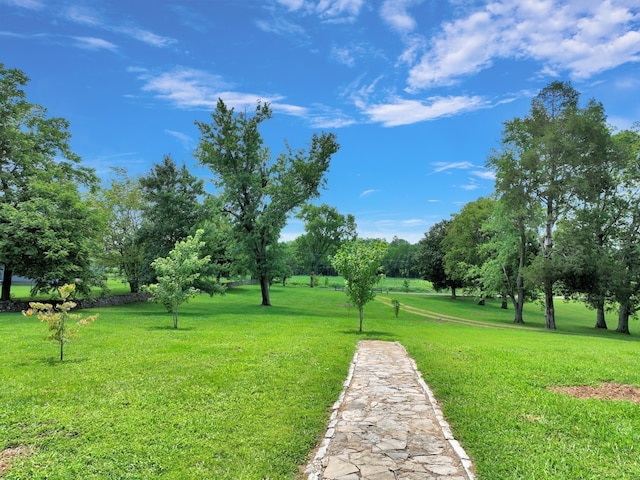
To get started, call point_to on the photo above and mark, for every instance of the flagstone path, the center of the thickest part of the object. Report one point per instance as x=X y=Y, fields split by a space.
x=387 y=425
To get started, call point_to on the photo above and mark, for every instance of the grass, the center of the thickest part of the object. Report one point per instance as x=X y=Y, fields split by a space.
x=242 y=391
x=386 y=285
x=22 y=292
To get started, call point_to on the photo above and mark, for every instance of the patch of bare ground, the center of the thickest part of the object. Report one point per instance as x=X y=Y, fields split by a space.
x=605 y=391
x=9 y=454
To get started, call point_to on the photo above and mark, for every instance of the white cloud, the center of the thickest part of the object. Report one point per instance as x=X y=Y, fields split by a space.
x=403 y=111
x=394 y=13
x=184 y=139
x=82 y=15
x=366 y=193
x=339 y=10
x=91 y=43
x=145 y=36
x=280 y=26
x=444 y=166
x=28 y=4
x=581 y=38
x=484 y=174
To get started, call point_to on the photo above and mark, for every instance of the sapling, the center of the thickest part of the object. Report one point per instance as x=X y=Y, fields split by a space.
x=58 y=317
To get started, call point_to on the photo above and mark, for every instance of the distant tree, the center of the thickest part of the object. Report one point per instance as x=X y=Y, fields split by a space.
x=398 y=262
x=122 y=246
x=429 y=259
x=360 y=263
x=57 y=317
x=35 y=159
x=172 y=209
x=178 y=273
x=259 y=193
x=462 y=244
x=325 y=230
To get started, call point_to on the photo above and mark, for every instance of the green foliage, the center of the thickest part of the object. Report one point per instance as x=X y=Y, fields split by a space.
x=256 y=191
x=359 y=262
x=58 y=317
x=177 y=274
x=430 y=258
x=396 y=306
x=45 y=225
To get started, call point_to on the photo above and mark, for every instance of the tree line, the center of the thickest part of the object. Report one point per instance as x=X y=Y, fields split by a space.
x=564 y=218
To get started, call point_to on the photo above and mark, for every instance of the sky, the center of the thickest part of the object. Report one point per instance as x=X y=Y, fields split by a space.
x=416 y=91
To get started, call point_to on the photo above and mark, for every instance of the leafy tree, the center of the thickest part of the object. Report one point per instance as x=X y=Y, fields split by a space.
x=34 y=152
x=398 y=262
x=122 y=248
x=172 y=210
x=325 y=230
x=178 y=273
x=463 y=241
x=259 y=193
x=52 y=236
x=554 y=148
x=429 y=259
x=359 y=262
x=58 y=317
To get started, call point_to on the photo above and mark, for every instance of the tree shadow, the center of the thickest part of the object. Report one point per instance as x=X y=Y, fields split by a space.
x=170 y=327
x=370 y=334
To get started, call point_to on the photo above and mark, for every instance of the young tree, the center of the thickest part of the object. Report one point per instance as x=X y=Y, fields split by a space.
x=257 y=192
x=359 y=262
x=58 y=317
x=177 y=274
x=325 y=230
x=34 y=151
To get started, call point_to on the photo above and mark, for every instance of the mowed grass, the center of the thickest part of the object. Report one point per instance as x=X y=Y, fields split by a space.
x=243 y=392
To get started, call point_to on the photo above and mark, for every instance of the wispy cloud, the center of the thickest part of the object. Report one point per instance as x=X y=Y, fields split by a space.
x=281 y=26
x=484 y=174
x=401 y=111
x=332 y=11
x=395 y=14
x=581 y=38
x=186 y=141
x=28 y=4
x=444 y=166
x=367 y=193
x=92 y=43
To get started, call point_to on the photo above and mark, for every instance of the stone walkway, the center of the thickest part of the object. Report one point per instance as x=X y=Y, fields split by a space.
x=387 y=425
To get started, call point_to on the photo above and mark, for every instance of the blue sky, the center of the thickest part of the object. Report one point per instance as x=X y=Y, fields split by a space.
x=416 y=91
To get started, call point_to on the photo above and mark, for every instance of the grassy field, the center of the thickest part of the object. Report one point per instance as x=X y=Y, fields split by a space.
x=386 y=285
x=242 y=391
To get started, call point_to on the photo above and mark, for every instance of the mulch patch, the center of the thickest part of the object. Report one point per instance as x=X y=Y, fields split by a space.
x=605 y=391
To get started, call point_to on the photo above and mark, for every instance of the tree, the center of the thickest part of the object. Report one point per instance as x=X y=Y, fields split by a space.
x=259 y=193
x=172 y=209
x=122 y=247
x=58 y=317
x=429 y=259
x=463 y=242
x=359 y=262
x=325 y=230
x=34 y=152
x=553 y=149
x=398 y=262
x=177 y=274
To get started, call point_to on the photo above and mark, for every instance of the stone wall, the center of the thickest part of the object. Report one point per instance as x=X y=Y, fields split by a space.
x=84 y=303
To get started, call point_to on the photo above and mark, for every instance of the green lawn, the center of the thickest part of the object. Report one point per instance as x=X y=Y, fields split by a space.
x=243 y=392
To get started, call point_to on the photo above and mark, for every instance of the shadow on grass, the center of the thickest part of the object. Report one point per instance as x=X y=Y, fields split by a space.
x=170 y=327
x=370 y=334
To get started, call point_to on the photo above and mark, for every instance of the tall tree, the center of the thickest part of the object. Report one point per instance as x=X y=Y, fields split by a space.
x=553 y=147
x=429 y=259
x=360 y=263
x=34 y=151
x=257 y=192
x=325 y=230
x=173 y=209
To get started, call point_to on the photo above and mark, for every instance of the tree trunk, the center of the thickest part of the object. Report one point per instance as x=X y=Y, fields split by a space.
x=264 y=287
x=549 y=309
x=361 y=310
x=133 y=286
x=504 y=305
x=453 y=293
x=6 y=284
x=600 y=320
x=623 y=318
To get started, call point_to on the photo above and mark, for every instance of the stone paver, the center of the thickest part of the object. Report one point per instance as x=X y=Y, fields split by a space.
x=387 y=425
